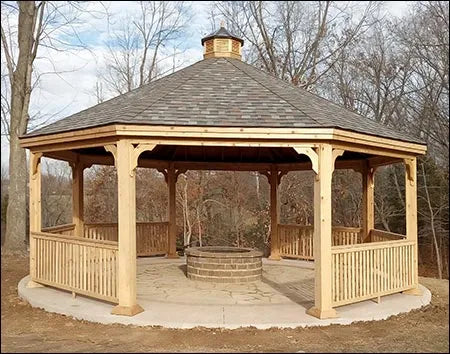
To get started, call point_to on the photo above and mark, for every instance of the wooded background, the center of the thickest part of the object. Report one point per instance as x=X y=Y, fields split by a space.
x=390 y=69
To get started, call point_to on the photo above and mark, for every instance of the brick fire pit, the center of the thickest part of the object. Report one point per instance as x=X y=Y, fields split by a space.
x=224 y=264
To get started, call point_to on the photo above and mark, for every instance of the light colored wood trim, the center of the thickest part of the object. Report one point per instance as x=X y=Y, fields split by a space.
x=373 y=150
x=151 y=237
x=138 y=150
x=74 y=144
x=371 y=296
x=76 y=264
x=371 y=270
x=308 y=151
x=375 y=141
x=274 y=214
x=113 y=245
x=336 y=153
x=368 y=201
x=381 y=235
x=78 y=197
x=323 y=235
x=223 y=132
x=34 y=205
x=75 y=290
x=411 y=208
x=112 y=148
x=59 y=228
x=239 y=133
x=370 y=246
x=126 y=182
x=81 y=134
x=172 y=185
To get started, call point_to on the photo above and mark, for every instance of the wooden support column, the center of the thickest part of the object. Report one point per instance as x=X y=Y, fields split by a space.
x=368 y=201
x=78 y=197
x=34 y=211
x=274 y=214
x=172 y=183
x=322 y=235
x=411 y=218
x=124 y=153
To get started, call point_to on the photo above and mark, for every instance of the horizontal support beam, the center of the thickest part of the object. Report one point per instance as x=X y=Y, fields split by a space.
x=108 y=160
x=185 y=134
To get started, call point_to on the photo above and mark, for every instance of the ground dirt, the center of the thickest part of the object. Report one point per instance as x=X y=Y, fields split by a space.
x=26 y=329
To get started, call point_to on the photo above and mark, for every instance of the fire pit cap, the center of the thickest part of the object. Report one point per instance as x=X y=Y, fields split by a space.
x=222 y=252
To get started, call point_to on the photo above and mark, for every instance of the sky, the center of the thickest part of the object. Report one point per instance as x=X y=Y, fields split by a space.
x=71 y=90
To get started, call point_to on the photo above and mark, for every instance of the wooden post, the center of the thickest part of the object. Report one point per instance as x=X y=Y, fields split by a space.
x=322 y=235
x=34 y=211
x=77 y=198
x=172 y=183
x=127 y=231
x=368 y=202
x=274 y=214
x=411 y=218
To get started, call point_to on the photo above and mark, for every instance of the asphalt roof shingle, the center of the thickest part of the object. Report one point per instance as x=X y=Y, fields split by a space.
x=222 y=92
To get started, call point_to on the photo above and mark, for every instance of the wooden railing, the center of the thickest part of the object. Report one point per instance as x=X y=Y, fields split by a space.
x=101 y=231
x=66 y=229
x=151 y=237
x=380 y=235
x=77 y=264
x=296 y=241
x=371 y=270
x=346 y=235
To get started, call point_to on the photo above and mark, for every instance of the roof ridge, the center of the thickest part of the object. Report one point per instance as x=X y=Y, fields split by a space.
x=261 y=84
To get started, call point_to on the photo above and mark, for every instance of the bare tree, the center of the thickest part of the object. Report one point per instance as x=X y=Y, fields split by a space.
x=294 y=40
x=20 y=75
x=136 y=50
x=39 y=24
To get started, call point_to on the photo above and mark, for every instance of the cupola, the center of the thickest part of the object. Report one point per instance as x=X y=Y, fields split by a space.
x=222 y=43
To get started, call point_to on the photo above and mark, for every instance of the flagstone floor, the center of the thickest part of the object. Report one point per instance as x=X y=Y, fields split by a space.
x=291 y=281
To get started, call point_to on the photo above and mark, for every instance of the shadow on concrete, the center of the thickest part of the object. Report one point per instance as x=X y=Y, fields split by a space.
x=183 y=268
x=301 y=292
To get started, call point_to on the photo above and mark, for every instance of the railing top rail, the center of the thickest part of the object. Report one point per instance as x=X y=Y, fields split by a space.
x=335 y=228
x=296 y=226
x=99 y=224
x=387 y=233
x=347 y=228
x=370 y=246
x=76 y=240
x=59 y=227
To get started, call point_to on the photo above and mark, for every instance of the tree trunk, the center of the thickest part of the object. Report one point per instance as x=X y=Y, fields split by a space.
x=16 y=216
x=432 y=226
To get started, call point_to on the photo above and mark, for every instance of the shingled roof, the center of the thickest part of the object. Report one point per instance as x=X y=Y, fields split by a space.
x=222 y=92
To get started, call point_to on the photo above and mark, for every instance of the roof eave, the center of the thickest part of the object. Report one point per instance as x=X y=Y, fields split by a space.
x=165 y=132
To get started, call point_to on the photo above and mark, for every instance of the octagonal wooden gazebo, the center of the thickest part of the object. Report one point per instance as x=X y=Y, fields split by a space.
x=223 y=114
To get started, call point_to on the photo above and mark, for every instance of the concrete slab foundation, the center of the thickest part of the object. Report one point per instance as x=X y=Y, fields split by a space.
x=169 y=299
